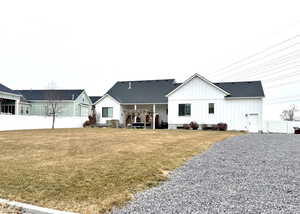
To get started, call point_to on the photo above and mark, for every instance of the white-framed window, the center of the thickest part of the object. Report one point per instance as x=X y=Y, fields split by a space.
x=184 y=109
x=107 y=111
x=211 y=108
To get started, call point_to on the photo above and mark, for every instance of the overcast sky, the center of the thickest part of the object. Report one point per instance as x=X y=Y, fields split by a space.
x=93 y=44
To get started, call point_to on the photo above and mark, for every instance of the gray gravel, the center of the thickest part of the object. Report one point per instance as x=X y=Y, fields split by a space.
x=245 y=174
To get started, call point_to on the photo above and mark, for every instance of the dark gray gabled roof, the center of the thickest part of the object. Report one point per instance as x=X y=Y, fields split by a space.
x=95 y=98
x=242 y=89
x=3 y=88
x=155 y=91
x=145 y=91
x=45 y=94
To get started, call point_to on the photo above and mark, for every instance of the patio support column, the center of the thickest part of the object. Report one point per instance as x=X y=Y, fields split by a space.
x=17 y=105
x=135 y=113
x=74 y=109
x=153 y=117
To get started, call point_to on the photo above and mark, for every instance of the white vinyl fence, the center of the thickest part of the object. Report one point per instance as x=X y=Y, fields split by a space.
x=280 y=126
x=18 y=122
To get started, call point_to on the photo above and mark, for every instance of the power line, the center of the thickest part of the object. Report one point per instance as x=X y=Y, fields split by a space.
x=251 y=62
x=275 y=74
x=270 y=64
x=271 y=71
x=284 y=101
x=284 y=84
x=281 y=78
x=251 y=56
x=288 y=97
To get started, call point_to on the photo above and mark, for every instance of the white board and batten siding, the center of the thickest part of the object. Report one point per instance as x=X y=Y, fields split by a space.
x=108 y=101
x=239 y=114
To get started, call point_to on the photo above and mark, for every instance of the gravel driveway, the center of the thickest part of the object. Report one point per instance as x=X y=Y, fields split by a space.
x=245 y=174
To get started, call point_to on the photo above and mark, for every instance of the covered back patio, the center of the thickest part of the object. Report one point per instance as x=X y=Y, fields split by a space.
x=152 y=116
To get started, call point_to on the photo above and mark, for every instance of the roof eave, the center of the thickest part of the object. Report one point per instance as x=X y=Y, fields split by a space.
x=155 y=103
x=84 y=92
x=8 y=93
x=252 y=97
x=50 y=100
x=105 y=95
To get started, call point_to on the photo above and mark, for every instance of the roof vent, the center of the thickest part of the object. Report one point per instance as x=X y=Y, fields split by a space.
x=129 y=85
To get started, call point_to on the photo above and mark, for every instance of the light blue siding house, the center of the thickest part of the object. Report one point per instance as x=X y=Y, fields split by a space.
x=70 y=102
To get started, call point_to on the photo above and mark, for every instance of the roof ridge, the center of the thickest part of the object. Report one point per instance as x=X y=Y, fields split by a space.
x=239 y=81
x=49 y=90
x=146 y=80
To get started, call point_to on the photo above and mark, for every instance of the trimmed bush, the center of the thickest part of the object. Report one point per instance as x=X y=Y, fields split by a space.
x=222 y=126
x=214 y=127
x=186 y=126
x=204 y=127
x=164 y=125
x=194 y=125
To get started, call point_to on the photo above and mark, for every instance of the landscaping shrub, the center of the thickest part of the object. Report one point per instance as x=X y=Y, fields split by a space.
x=164 y=125
x=186 y=126
x=194 y=125
x=214 y=127
x=204 y=127
x=222 y=126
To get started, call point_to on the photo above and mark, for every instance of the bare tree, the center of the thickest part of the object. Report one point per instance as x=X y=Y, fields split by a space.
x=92 y=118
x=53 y=106
x=289 y=114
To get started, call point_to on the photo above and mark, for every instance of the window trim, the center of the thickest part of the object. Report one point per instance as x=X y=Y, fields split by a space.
x=185 y=114
x=112 y=112
x=213 y=108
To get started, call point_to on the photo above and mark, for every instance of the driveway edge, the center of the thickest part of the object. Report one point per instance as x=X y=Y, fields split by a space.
x=34 y=209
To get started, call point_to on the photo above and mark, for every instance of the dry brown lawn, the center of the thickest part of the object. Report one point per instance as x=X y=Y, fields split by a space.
x=92 y=170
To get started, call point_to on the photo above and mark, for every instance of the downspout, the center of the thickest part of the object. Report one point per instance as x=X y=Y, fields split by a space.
x=74 y=106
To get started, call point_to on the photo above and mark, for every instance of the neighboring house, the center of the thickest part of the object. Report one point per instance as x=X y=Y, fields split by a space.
x=239 y=104
x=11 y=102
x=70 y=102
